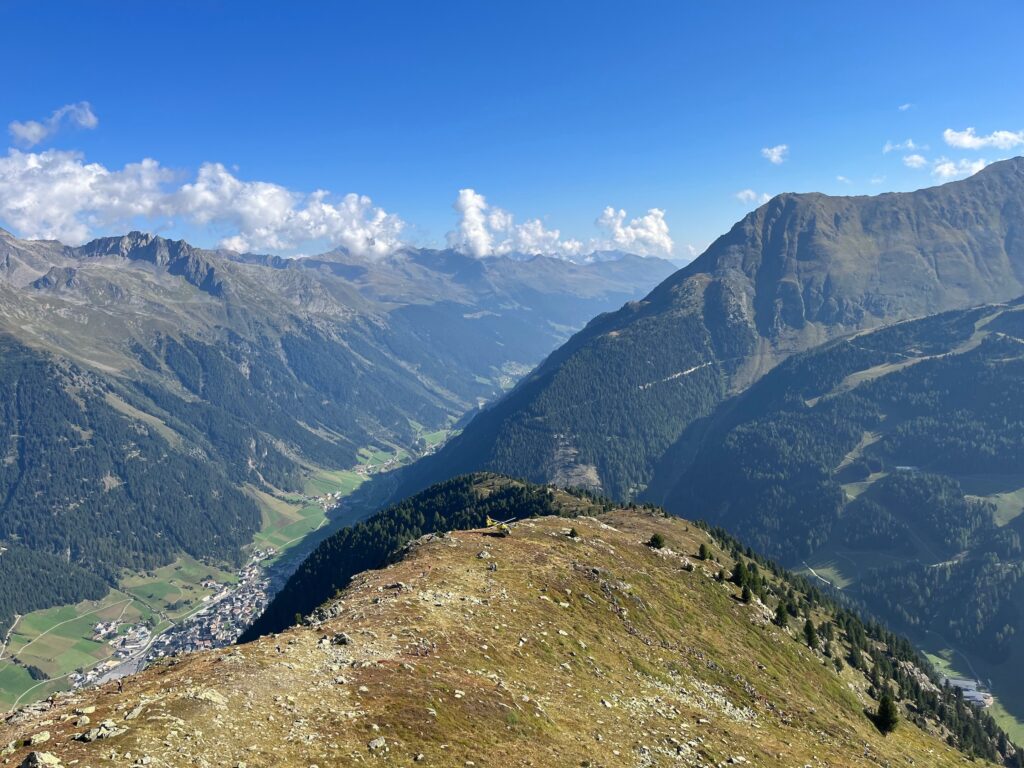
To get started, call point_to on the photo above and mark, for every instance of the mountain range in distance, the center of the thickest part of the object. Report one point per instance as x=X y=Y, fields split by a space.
x=135 y=368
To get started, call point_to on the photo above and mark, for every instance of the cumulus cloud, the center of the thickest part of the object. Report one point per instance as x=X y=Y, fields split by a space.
x=485 y=230
x=56 y=194
x=945 y=168
x=32 y=132
x=904 y=107
x=749 y=196
x=775 y=155
x=843 y=180
x=270 y=217
x=969 y=139
x=646 y=235
x=915 y=161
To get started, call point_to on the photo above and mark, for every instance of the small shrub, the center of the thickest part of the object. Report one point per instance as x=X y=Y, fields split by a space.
x=657 y=541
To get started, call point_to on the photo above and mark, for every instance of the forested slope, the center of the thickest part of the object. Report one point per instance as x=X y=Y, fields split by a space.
x=800 y=270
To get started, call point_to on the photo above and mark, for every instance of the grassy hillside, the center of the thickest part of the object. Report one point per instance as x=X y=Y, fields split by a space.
x=569 y=642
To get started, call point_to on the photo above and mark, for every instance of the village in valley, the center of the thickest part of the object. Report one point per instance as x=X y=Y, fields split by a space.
x=219 y=619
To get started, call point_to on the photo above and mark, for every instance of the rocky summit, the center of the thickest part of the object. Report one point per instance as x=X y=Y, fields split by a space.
x=610 y=638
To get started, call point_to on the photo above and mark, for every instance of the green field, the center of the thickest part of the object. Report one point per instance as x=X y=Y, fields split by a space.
x=1005 y=491
x=58 y=641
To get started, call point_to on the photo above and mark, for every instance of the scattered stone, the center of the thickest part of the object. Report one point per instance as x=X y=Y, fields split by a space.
x=378 y=745
x=341 y=638
x=40 y=738
x=105 y=730
x=210 y=695
x=40 y=759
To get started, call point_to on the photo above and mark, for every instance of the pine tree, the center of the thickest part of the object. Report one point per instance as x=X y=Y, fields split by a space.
x=740 y=576
x=781 y=615
x=747 y=595
x=810 y=634
x=703 y=553
x=888 y=715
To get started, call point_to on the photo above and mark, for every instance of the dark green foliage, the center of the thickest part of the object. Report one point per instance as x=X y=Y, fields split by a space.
x=770 y=466
x=746 y=595
x=591 y=388
x=95 y=491
x=657 y=541
x=32 y=580
x=810 y=634
x=36 y=673
x=888 y=715
x=703 y=552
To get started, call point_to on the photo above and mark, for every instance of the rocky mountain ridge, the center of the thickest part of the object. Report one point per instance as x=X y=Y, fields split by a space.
x=567 y=642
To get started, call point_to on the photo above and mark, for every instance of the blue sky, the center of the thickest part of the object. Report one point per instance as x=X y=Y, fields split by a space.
x=551 y=111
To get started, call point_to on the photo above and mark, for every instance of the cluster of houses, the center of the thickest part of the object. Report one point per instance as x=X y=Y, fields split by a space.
x=225 y=615
x=126 y=643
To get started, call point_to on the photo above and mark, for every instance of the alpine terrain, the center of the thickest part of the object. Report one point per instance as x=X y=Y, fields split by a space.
x=587 y=634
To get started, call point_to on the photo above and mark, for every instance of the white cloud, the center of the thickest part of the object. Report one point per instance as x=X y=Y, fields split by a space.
x=775 y=155
x=843 y=180
x=945 y=168
x=915 y=161
x=56 y=194
x=646 y=235
x=901 y=146
x=748 y=196
x=31 y=132
x=905 y=107
x=877 y=180
x=969 y=139
x=485 y=230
